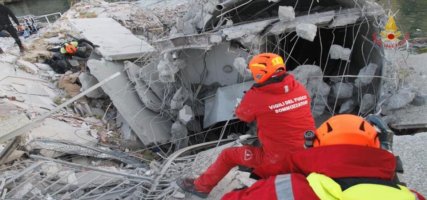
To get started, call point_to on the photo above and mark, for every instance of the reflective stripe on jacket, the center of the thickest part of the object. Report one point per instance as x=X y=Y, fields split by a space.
x=283 y=185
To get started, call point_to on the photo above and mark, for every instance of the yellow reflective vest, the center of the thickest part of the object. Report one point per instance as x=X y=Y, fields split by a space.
x=327 y=189
x=63 y=51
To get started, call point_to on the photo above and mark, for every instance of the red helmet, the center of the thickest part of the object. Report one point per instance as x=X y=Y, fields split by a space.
x=346 y=129
x=264 y=65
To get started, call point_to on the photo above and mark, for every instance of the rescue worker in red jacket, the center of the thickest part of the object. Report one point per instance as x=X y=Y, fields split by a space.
x=280 y=105
x=346 y=163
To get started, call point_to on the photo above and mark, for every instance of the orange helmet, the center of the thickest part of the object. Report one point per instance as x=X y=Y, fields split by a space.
x=71 y=49
x=346 y=129
x=264 y=65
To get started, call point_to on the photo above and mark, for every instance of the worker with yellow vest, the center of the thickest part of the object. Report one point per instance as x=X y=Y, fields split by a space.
x=344 y=163
x=69 y=48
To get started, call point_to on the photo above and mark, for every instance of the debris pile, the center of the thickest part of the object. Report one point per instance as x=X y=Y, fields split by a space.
x=154 y=80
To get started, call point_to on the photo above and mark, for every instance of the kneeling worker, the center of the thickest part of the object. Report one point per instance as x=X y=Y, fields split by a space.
x=345 y=163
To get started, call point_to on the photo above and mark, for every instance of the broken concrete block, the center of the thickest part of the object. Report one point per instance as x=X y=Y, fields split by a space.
x=214 y=67
x=147 y=96
x=50 y=168
x=68 y=177
x=147 y=86
x=42 y=66
x=304 y=72
x=342 y=90
x=365 y=75
x=221 y=107
x=185 y=115
x=145 y=93
x=128 y=138
x=286 y=13
x=311 y=77
x=367 y=103
x=179 y=135
x=27 y=66
x=229 y=23
x=50 y=153
x=321 y=88
x=317 y=88
x=167 y=77
x=344 y=19
x=150 y=75
x=167 y=71
x=402 y=98
x=347 y=107
x=318 y=106
x=419 y=100
x=149 y=126
x=15 y=155
x=178 y=99
x=241 y=66
x=215 y=39
x=132 y=70
x=306 y=31
x=87 y=81
x=339 y=52
x=166 y=65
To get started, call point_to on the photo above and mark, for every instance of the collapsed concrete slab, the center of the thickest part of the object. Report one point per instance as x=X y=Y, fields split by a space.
x=216 y=66
x=147 y=96
x=150 y=75
x=150 y=127
x=221 y=107
x=115 y=41
x=199 y=41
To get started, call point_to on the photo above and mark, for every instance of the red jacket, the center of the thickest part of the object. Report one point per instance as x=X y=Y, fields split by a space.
x=337 y=161
x=281 y=108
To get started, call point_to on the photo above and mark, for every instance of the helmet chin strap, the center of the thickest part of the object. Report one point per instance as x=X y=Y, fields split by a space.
x=277 y=71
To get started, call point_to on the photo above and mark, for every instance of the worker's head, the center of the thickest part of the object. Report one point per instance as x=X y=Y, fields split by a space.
x=265 y=65
x=346 y=129
x=70 y=48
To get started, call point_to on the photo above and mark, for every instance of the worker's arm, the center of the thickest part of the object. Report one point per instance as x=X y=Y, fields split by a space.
x=245 y=111
x=10 y=13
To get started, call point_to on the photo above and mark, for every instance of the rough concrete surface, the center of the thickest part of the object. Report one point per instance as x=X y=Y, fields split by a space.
x=412 y=150
x=149 y=126
x=115 y=41
x=414 y=115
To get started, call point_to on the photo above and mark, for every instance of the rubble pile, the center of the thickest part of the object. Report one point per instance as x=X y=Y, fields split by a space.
x=162 y=77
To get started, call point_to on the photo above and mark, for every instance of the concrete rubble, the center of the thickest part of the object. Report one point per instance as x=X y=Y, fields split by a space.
x=306 y=31
x=162 y=84
x=339 y=52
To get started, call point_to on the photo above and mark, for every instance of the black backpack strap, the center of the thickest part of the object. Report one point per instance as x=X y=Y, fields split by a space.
x=346 y=183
